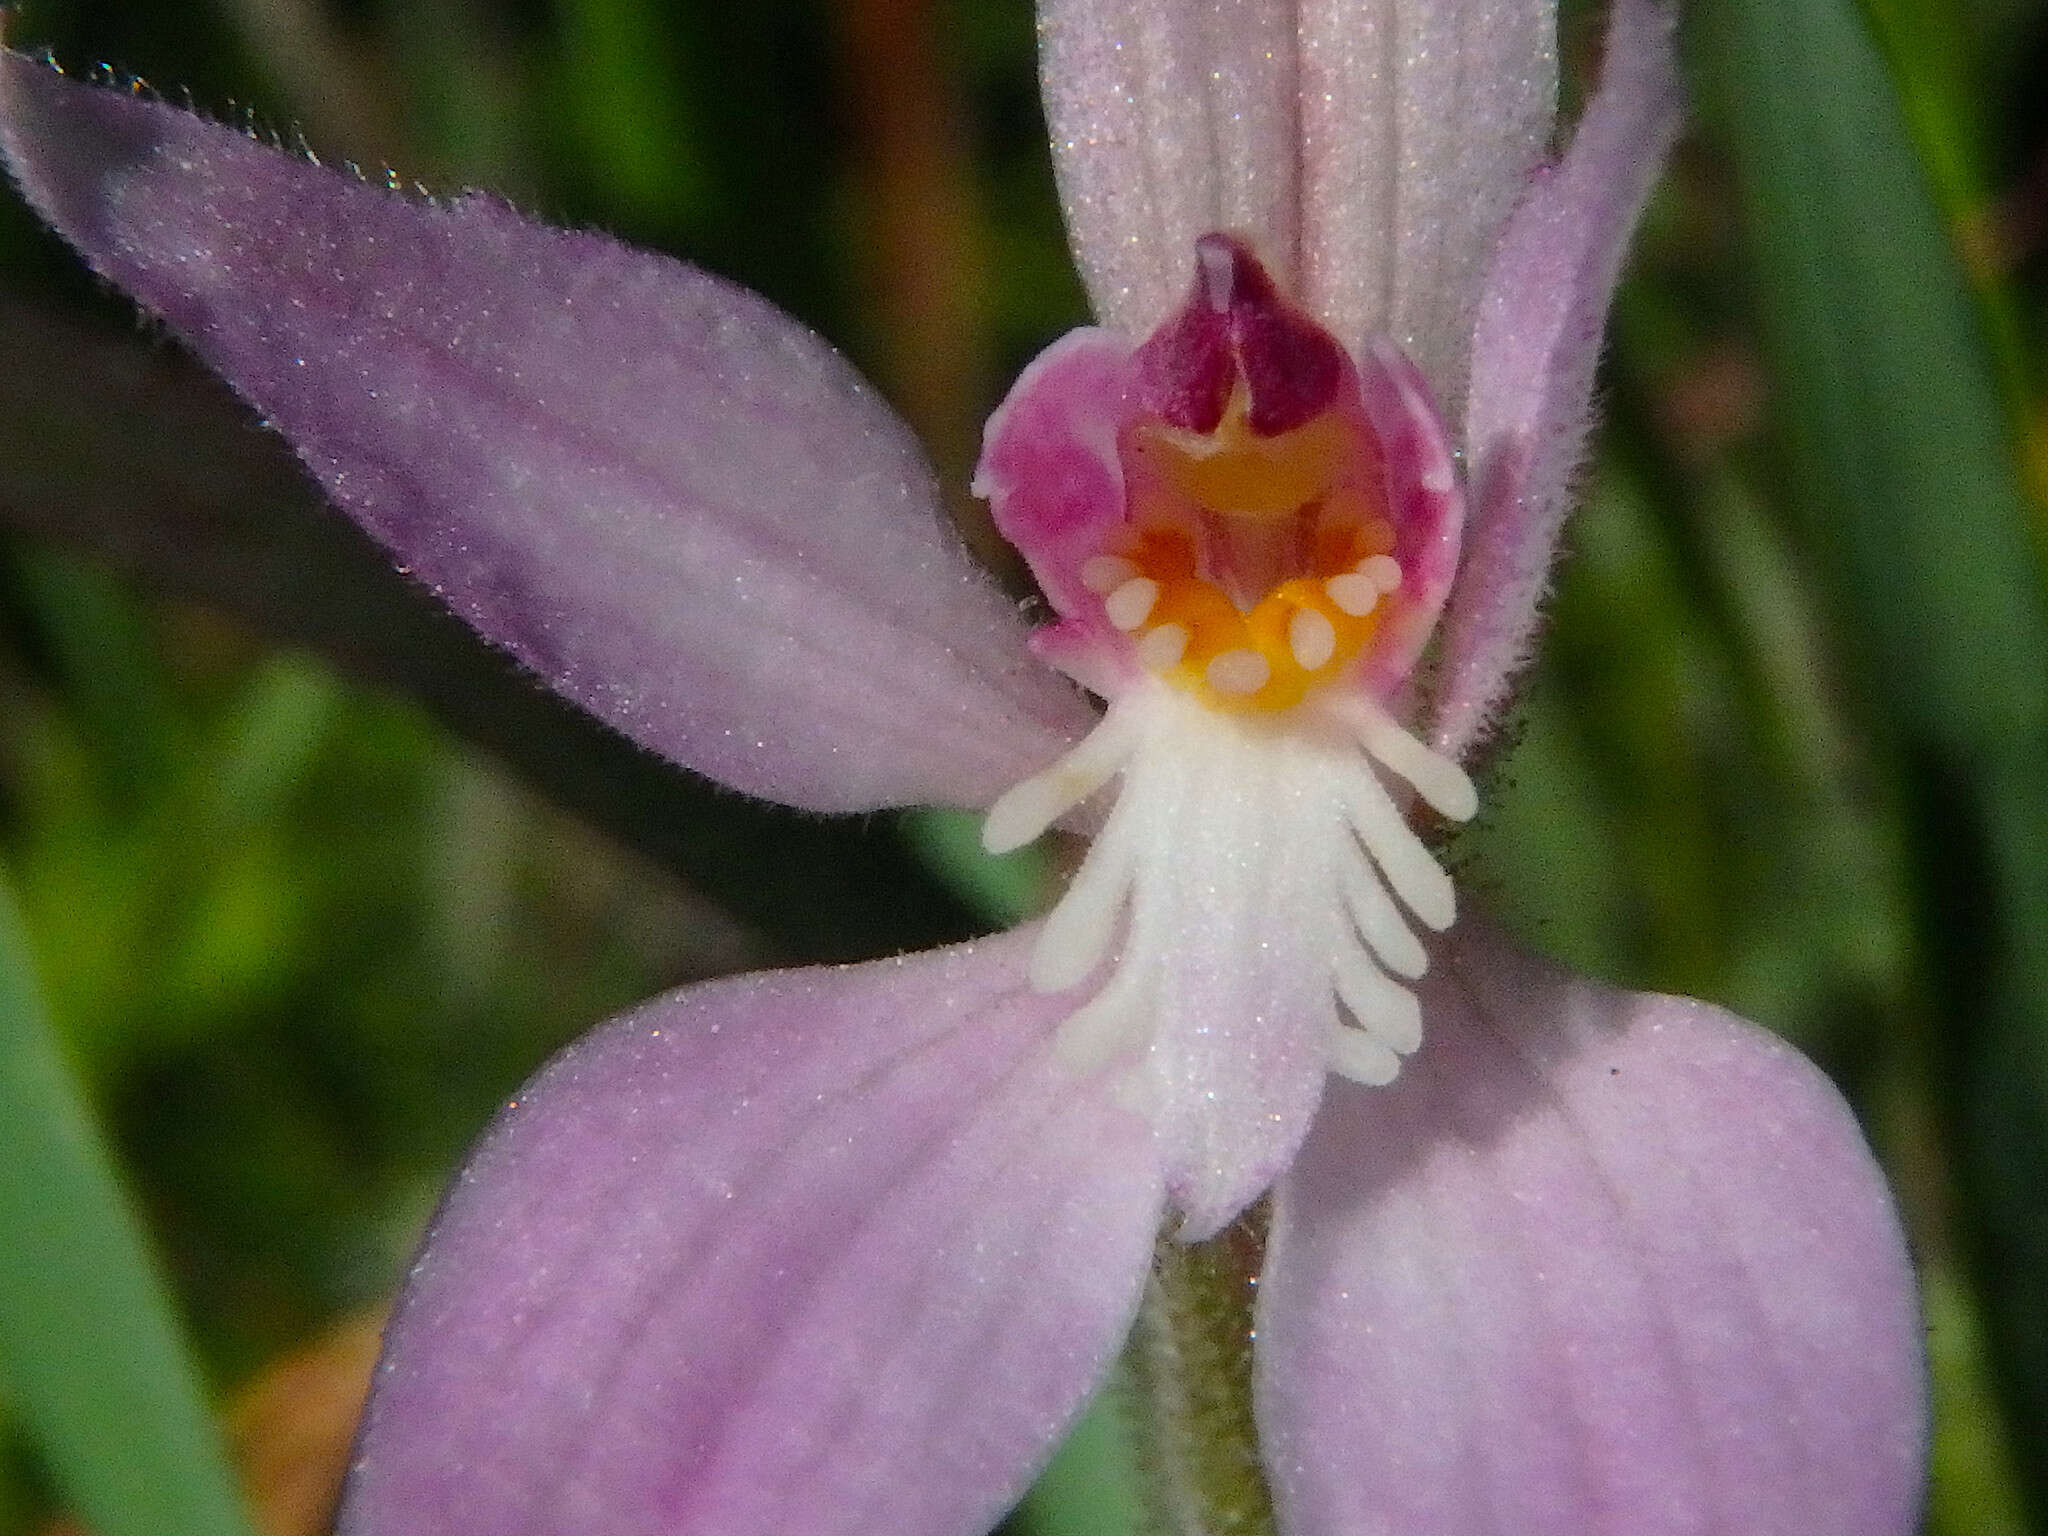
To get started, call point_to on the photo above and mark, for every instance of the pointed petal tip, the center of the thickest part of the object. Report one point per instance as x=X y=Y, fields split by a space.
x=1235 y=327
x=61 y=167
x=672 y=502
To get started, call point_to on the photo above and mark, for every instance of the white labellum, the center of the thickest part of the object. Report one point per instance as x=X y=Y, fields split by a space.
x=1260 y=856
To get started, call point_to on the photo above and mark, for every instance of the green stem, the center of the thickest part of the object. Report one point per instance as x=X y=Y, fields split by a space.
x=1190 y=1369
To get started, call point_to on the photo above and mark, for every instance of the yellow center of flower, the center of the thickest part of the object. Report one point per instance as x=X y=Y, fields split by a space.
x=1255 y=568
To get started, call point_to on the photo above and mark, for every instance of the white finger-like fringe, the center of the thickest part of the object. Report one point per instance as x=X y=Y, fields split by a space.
x=1443 y=785
x=1360 y=1057
x=1380 y=1006
x=1079 y=931
x=1411 y=869
x=1025 y=810
x=1112 y=1023
x=1239 y=911
x=1380 y=923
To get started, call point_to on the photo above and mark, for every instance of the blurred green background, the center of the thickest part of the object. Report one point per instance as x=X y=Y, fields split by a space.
x=296 y=881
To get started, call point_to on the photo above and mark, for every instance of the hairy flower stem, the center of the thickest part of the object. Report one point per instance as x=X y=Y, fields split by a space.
x=1190 y=1368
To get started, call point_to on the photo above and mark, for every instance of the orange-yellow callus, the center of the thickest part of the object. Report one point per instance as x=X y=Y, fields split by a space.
x=1235 y=471
x=1215 y=626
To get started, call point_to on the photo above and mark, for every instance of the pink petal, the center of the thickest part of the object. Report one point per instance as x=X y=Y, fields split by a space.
x=1055 y=485
x=671 y=501
x=1170 y=119
x=1419 y=122
x=1534 y=352
x=1370 y=149
x=821 y=1251
x=1598 y=1264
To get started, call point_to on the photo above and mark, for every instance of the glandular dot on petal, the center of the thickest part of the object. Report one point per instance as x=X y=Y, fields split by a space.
x=1312 y=638
x=1238 y=673
x=1384 y=571
x=1258 y=525
x=1103 y=574
x=1163 y=647
x=1131 y=604
x=1354 y=592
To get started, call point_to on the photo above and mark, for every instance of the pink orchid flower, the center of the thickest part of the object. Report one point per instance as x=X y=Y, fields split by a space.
x=845 y=1250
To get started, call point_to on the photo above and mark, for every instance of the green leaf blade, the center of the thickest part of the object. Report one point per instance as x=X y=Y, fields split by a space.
x=89 y=1348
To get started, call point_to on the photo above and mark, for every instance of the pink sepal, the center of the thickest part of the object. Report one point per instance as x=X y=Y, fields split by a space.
x=1534 y=350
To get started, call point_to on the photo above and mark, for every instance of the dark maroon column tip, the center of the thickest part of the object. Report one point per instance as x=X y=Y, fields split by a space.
x=1235 y=325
